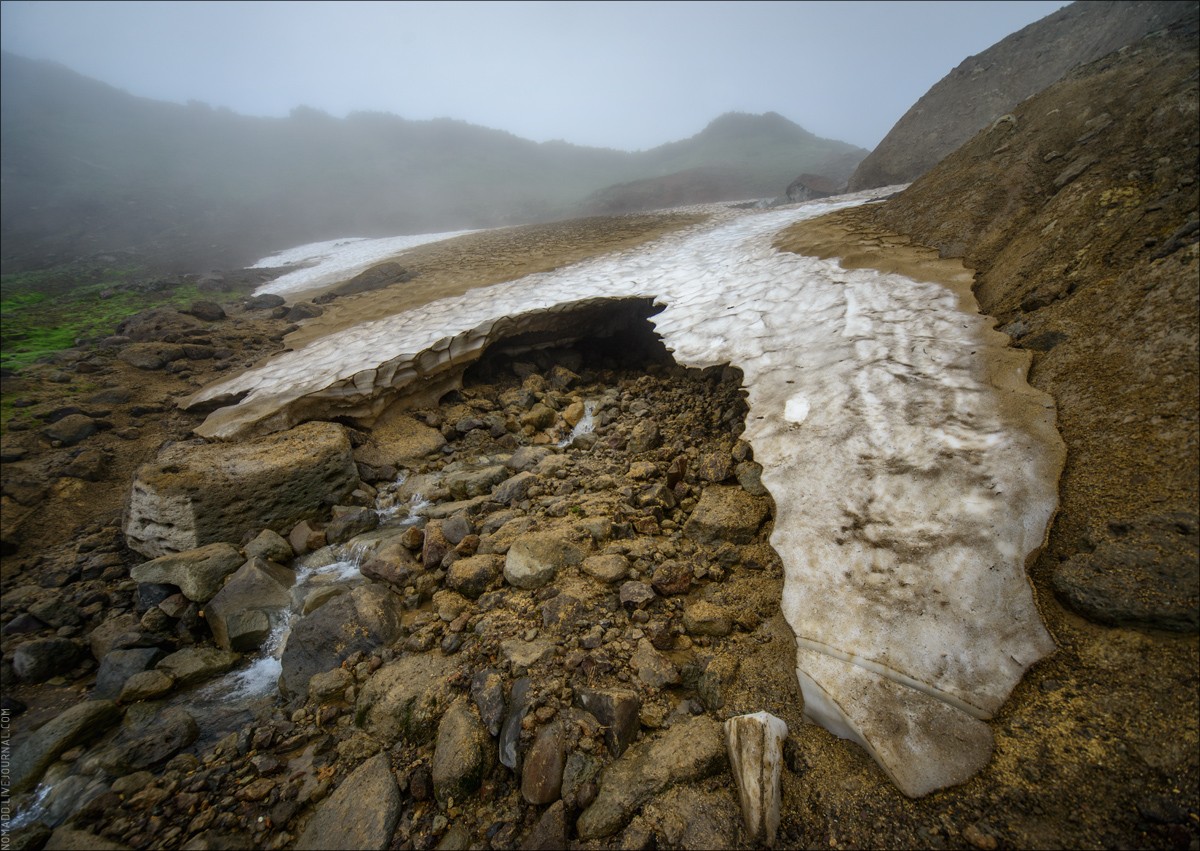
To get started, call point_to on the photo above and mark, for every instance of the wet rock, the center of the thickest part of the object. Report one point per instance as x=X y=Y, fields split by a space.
x=71 y=429
x=119 y=665
x=487 y=690
x=193 y=665
x=705 y=618
x=463 y=753
x=726 y=513
x=34 y=753
x=535 y=557
x=472 y=576
x=405 y=698
x=195 y=494
x=510 y=732
x=240 y=613
x=617 y=711
x=38 y=660
x=607 y=568
x=198 y=573
x=348 y=522
x=755 y=747
x=366 y=618
x=270 y=545
x=685 y=752
x=361 y=813
x=146 y=685
x=542 y=772
x=154 y=737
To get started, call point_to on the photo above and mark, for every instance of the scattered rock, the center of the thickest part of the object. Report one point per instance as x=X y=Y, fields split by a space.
x=361 y=813
x=463 y=753
x=198 y=573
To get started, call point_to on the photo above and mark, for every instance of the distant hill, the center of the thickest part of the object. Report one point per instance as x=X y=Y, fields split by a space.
x=984 y=87
x=86 y=168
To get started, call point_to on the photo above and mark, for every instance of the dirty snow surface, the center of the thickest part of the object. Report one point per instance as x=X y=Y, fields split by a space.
x=912 y=467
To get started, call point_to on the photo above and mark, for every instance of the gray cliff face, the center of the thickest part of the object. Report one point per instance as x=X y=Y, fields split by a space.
x=987 y=86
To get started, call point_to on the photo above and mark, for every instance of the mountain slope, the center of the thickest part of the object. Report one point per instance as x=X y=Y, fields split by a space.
x=87 y=168
x=984 y=87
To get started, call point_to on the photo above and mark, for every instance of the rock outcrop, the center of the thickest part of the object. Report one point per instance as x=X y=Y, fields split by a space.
x=196 y=494
x=983 y=89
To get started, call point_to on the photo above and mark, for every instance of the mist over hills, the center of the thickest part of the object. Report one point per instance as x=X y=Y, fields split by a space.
x=87 y=169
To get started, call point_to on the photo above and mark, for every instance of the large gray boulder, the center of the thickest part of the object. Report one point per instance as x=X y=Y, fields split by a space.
x=366 y=618
x=240 y=614
x=197 y=493
x=198 y=573
x=360 y=814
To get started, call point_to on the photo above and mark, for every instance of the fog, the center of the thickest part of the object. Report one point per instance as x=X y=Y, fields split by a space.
x=622 y=75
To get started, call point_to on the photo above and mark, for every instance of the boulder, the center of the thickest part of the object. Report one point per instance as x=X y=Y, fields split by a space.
x=405 y=698
x=472 y=576
x=195 y=494
x=688 y=751
x=198 y=573
x=463 y=754
x=542 y=771
x=534 y=559
x=118 y=666
x=196 y=664
x=34 y=753
x=270 y=545
x=366 y=618
x=240 y=615
x=726 y=513
x=360 y=814
x=38 y=660
x=70 y=430
x=617 y=711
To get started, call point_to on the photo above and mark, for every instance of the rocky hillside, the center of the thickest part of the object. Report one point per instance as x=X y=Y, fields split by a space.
x=88 y=169
x=984 y=87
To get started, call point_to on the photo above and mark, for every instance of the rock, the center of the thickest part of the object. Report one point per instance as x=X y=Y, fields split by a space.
x=636 y=595
x=118 y=666
x=809 y=187
x=726 y=513
x=303 y=310
x=542 y=772
x=705 y=618
x=487 y=690
x=89 y=465
x=515 y=488
x=510 y=733
x=685 y=752
x=154 y=737
x=644 y=437
x=240 y=615
x=266 y=301
x=196 y=494
x=523 y=655
x=653 y=668
x=38 y=660
x=687 y=817
x=470 y=483
x=198 y=573
x=348 y=522
x=550 y=832
x=535 y=557
x=528 y=457
x=617 y=711
x=71 y=429
x=672 y=578
x=607 y=568
x=578 y=776
x=360 y=814
x=457 y=528
x=151 y=356
x=193 y=665
x=463 y=754
x=146 y=685
x=377 y=277
x=269 y=545
x=472 y=576
x=329 y=685
x=206 y=311
x=538 y=417
x=81 y=840
x=366 y=618
x=34 y=753
x=405 y=698
x=435 y=546
x=303 y=538
x=1132 y=583
x=116 y=633
x=755 y=746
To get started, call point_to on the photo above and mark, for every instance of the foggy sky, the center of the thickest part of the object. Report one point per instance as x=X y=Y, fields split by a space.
x=623 y=75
